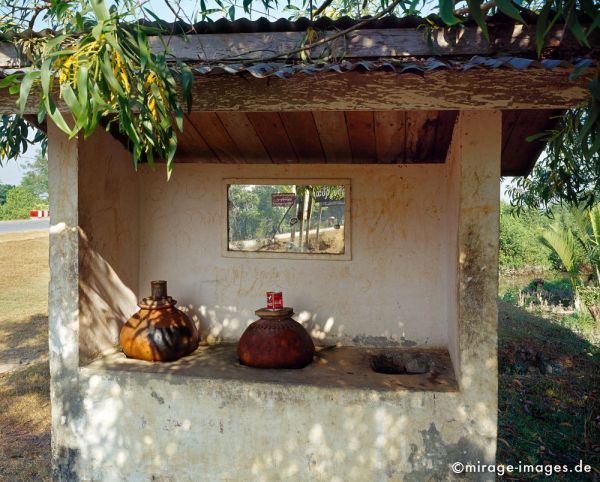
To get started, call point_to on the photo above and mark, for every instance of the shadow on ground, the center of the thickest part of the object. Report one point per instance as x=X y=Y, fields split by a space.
x=24 y=400
x=549 y=393
x=23 y=342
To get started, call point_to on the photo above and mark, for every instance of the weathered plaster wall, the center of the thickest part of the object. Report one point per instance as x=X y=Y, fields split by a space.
x=109 y=245
x=63 y=303
x=393 y=290
x=115 y=425
x=453 y=209
x=142 y=427
x=478 y=148
x=93 y=263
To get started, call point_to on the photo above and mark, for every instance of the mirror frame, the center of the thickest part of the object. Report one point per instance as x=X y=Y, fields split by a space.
x=227 y=253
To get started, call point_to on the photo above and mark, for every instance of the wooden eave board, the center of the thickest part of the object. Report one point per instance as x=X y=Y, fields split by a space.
x=518 y=154
x=512 y=39
x=318 y=137
x=509 y=39
x=381 y=137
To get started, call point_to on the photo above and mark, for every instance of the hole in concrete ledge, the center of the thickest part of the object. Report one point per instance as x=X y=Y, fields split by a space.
x=343 y=367
x=401 y=363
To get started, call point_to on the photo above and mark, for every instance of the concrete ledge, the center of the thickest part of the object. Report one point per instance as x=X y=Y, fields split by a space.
x=346 y=368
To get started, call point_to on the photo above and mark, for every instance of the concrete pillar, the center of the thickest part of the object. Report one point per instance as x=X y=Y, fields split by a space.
x=63 y=301
x=478 y=145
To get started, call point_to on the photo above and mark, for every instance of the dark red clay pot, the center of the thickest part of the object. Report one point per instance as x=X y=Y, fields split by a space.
x=275 y=341
x=158 y=331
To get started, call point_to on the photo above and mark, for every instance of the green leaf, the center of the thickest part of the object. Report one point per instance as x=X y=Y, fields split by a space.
x=10 y=80
x=109 y=76
x=72 y=103
x=592 y=11
x=187 y=79
x=97 y=30
x=563 y=243
x=594 y=87
x=535 y=137
x=595 y=223
x=508 y=8
x=100 y=10
x=26 y=85
x=45 y=77
x=576 y=29
x=447 y=12
x=82 y=84
x=144 y=50
x=541 y=27
x=478 y=16
x=57 y=117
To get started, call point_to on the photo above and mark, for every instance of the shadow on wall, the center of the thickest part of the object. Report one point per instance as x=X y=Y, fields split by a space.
x=105 y=303
x=226 y=323
x=167 y=428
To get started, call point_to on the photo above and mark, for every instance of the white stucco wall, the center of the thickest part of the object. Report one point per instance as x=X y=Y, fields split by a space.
x=113 y=425
x=109 y=242
x=393 y=289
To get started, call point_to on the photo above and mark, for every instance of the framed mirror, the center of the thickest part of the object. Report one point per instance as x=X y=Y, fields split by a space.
x=290 y=218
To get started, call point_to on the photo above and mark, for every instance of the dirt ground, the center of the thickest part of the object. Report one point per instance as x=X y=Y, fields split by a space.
x=24 y=375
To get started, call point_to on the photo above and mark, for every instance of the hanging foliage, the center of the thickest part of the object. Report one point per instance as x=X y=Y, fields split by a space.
x=105 y=75
x=96 y=67
x=569 y=169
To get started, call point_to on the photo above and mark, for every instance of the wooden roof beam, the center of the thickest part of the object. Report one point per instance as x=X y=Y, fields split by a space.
x=478 y=88
x=366 y=43
x=533 y=88
x=509 y=39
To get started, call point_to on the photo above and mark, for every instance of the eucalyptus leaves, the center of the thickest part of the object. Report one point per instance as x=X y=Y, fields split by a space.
x=109 y=76
x=98 y=64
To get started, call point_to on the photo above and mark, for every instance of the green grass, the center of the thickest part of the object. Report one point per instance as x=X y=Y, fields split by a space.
x=548 y=418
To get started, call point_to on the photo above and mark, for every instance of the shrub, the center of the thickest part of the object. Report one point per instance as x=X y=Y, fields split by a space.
x=519 y=240
x=19 y=201
x=4 y=188
x=590 y=297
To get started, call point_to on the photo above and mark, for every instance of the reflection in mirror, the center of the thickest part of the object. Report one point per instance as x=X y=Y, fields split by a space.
x=286 y=218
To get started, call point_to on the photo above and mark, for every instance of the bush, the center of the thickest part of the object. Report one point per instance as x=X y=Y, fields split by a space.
x=4 y=188
x=19 y=201
x=590 y=297
x=520 y=245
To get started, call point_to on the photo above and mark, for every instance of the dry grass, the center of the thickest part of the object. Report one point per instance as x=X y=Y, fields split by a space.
x=24 y=376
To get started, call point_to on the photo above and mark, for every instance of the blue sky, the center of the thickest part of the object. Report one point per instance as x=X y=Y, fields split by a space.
x=12 y=171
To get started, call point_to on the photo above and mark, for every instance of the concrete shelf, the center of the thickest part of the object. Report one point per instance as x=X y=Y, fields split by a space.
x=338 y=367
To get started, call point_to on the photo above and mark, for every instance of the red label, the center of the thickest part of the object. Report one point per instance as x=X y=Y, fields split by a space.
x=274 y=300
x=282 y=199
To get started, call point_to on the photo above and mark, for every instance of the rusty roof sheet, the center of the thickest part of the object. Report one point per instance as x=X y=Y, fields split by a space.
x=420 y=67
x=244 y=25
x=286 y=70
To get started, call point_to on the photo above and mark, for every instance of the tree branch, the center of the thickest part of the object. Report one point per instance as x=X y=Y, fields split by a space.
x=326 y=40
x=485 y=7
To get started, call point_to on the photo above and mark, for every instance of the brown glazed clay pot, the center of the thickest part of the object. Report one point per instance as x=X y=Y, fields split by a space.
x=275 y=341
x=158 y=331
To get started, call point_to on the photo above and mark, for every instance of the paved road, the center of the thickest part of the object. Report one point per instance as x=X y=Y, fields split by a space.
x=27 y=225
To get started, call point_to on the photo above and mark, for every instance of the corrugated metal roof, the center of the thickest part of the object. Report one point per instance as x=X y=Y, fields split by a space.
x=244 y=25
x=285 y=70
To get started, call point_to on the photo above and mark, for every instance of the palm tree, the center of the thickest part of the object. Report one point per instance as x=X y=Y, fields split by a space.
x=578 y=248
